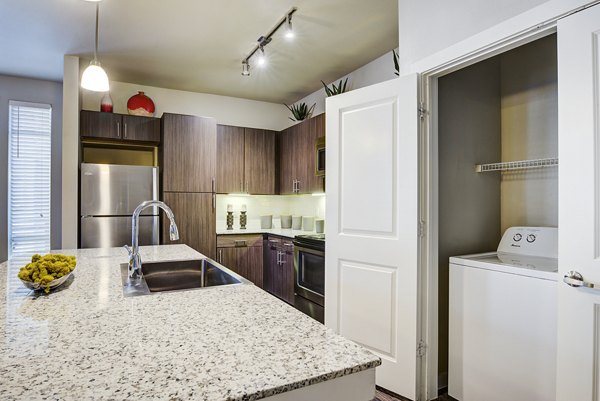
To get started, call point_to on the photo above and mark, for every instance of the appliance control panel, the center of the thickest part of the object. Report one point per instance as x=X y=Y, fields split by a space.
x=530 y=241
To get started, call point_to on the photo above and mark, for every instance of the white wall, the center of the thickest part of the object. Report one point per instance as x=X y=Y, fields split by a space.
x=36 y=91
x=276 y=205
x=433 y=32
x=227 y=110
x=427 y=26
x=70 y=152
x=379 y=70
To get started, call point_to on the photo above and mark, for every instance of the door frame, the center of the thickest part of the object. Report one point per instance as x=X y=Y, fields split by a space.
x=447 y=63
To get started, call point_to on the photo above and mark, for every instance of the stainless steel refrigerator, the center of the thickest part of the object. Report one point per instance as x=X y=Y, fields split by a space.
x=109 y=195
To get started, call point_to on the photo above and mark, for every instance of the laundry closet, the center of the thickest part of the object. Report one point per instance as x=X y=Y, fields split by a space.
x=500 y=110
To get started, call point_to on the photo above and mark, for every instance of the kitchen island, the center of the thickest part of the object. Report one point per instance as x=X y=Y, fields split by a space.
x=86 y=341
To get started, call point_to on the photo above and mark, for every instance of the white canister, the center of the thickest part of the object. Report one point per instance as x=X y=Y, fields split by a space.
x=308 y=223
x=286 y=221
x=296 y=222
x=266 y=221
x=320 y=226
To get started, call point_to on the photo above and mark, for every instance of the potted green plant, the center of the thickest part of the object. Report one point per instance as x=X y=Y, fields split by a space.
x=300 y=111
x=336 y=90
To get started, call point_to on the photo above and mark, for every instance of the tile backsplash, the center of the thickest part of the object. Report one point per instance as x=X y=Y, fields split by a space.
x=258 y=205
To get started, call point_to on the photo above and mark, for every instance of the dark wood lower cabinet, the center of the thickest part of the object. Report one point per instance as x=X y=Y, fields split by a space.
x=243 y=254
x=280 y=275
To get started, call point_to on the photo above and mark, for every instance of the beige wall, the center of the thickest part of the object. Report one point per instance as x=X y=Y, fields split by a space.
x=227 y=110
x=529 y=96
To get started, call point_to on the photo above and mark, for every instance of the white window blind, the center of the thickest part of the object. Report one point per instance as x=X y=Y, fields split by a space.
x=29 y=139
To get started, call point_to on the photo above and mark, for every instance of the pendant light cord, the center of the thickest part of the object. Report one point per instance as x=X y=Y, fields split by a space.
x=96 y=48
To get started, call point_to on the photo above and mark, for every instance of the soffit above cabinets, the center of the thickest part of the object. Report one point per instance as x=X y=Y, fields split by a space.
x=199 y=45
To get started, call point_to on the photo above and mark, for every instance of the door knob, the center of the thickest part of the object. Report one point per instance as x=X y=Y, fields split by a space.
x=575 y=279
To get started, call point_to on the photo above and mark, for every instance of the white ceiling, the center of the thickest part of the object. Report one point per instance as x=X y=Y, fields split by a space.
x=198 y=45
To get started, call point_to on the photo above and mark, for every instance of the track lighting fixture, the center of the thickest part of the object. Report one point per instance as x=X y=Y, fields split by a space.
x=94 y=77
x=263 y=41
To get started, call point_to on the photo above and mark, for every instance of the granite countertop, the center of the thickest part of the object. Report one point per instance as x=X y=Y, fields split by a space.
x=87 y=342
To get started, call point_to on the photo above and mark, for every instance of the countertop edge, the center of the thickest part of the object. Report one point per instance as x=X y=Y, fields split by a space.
x=309 y=382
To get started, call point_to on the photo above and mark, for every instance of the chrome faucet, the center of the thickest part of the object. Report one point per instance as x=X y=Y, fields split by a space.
x=135 y=261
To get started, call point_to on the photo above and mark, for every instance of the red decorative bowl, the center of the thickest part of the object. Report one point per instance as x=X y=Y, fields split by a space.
x=140 y=105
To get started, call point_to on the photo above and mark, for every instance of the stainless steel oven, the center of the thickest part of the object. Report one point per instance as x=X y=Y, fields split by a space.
x=309 y=268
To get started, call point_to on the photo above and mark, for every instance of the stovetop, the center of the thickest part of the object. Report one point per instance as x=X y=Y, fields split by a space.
x=314 y=241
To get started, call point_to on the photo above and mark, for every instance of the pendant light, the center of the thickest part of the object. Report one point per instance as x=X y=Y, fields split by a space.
x=94 y=77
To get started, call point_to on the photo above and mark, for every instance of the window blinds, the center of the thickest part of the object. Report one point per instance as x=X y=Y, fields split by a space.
x=29 y=139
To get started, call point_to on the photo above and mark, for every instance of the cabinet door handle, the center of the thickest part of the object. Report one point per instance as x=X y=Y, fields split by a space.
x=220 y=256
x=247 y=190
x=118 y=130
x=212 y=185
x=297 y=186
x=124 y=130
x=214 y=201
x=278 y=258
x=240 y=242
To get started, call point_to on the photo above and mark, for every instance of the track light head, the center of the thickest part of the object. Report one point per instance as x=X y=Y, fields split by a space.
x=245 y=68
x=262 y=59
x=289 y=31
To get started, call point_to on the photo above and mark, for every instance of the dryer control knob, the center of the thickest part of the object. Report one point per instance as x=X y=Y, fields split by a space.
x=517 y=237
x=531 y=238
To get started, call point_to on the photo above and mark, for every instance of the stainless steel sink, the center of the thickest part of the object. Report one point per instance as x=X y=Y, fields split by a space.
x=179 y=275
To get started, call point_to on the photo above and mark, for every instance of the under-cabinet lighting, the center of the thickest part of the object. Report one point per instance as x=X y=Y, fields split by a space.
x=238 y=194
x=318 y=194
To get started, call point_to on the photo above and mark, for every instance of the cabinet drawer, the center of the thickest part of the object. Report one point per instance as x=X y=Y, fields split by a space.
x=233 y=241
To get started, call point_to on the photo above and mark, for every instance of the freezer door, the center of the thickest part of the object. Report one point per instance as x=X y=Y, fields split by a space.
x=111 y=190
x=107 y=232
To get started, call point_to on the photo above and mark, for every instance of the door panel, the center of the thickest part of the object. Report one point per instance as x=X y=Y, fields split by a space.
x=110 y=189
x=189 y=148
x=579 y=212
x=111 y=231
x=259 y=161
x=286 y=161
x=95 y=124
x=230 y=159
x=195 y=218
x=139 y=128
x=372 y=225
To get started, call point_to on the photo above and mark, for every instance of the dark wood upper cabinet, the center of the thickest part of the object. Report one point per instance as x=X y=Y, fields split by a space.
x=137 y=128
x=188 y=154
x=297 y=157
x=246 y=160
x=287 y=160
x=259 y=161
x=195 y=218
x=95 y=124
x=230 y=159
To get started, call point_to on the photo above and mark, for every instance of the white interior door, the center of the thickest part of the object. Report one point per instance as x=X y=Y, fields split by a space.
x=579 y=205
x=372 y=225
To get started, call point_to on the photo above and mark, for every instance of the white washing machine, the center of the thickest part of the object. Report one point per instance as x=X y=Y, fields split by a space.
x=502 y=319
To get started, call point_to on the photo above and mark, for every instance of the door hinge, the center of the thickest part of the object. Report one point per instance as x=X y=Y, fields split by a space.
x=422 y=111
x=421 y=349
x=421 y=228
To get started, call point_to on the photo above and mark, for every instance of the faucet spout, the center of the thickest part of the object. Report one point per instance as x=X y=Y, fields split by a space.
x=135 y=261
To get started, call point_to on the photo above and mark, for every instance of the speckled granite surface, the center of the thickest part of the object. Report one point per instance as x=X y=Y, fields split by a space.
x=88 y=342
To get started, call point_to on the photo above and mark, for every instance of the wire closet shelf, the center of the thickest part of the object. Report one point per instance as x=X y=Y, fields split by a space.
x=517 y=165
